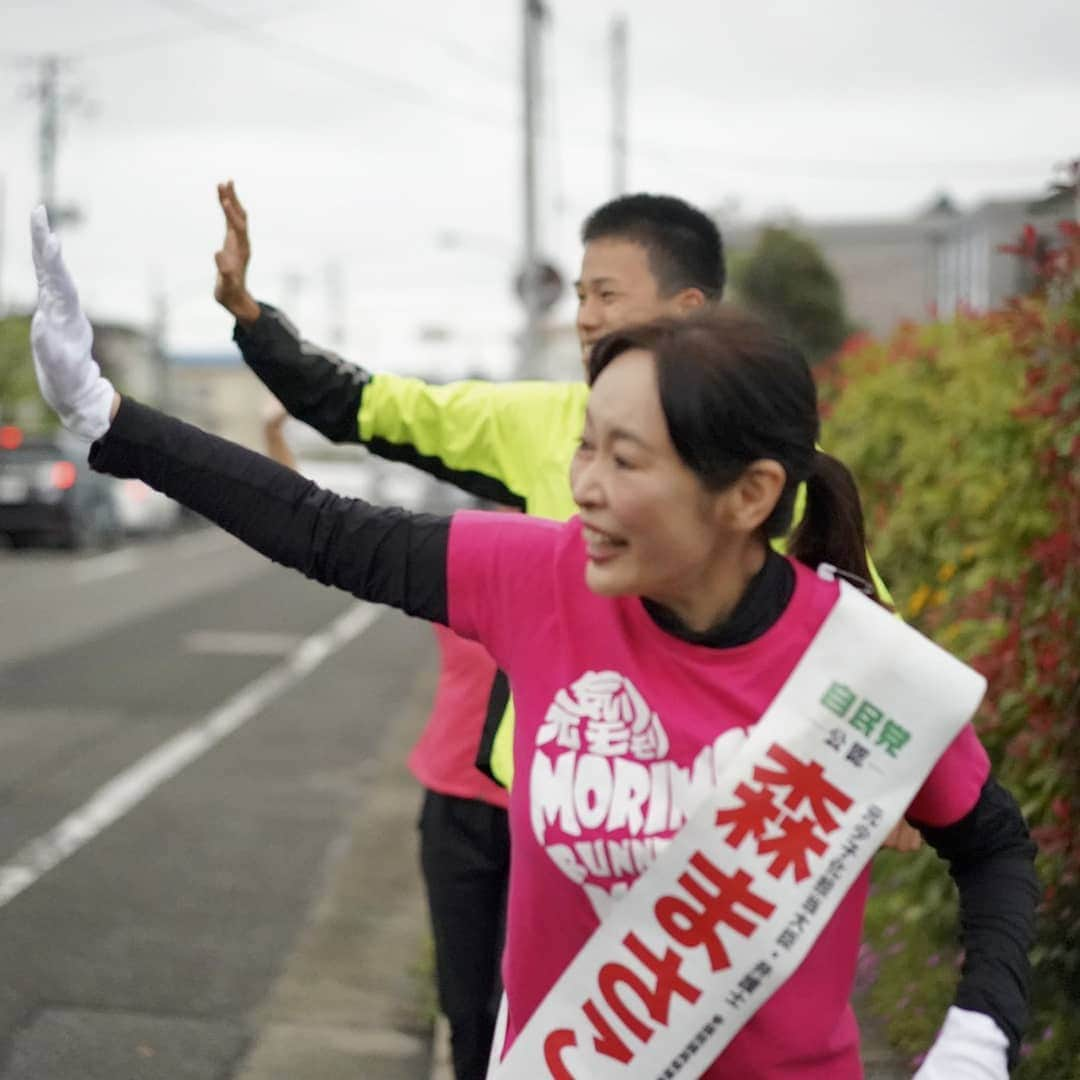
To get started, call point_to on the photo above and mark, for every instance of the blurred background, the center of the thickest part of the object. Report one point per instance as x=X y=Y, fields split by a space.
x=403 y=168
x=898 y=184
x=398 y=182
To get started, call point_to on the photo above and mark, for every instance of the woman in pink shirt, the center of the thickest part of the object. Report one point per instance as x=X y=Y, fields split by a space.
x=641 y=640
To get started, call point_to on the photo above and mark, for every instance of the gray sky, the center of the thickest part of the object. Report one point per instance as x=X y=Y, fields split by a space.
x=360 y=133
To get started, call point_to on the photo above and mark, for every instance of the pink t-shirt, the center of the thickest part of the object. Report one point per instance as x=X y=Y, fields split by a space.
x=444 y=757
x=598 y=789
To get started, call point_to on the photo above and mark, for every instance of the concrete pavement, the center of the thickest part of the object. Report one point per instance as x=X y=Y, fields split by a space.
x=355 y=997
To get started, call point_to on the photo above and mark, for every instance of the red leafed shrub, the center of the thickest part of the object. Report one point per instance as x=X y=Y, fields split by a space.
x=965 y=438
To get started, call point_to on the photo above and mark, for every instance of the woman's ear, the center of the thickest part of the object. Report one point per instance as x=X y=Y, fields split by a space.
x=688 y=300
x=756 y=493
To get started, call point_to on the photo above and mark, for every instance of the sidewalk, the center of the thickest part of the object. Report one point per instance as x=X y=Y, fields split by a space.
x=351 y=1002
x=880 y=1060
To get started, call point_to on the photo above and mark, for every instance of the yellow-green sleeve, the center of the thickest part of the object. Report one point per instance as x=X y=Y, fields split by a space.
x=492 y=439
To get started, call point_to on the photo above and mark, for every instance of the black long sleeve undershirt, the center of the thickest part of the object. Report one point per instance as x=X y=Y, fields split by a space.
x=383 y=554
x=314 y=384
x=392 y=556
x=991 y=859
x=325 y=391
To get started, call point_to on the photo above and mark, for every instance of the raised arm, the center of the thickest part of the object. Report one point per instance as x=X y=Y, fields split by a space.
x=386 y=555
x=483 y=437
x=383 y=554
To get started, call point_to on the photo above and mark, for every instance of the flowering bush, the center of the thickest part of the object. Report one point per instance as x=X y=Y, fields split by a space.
x=965 y=438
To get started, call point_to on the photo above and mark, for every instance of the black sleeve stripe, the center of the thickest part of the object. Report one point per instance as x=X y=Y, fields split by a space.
x=991 y=858
x=468 y=480
x=496 y=708
x=315 y=385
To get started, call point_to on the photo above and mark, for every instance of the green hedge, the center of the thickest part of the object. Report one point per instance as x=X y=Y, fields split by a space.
x=965 y=438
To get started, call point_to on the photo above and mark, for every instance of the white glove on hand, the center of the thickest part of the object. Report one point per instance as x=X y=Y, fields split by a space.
x=970 y=1046
x=61 y=338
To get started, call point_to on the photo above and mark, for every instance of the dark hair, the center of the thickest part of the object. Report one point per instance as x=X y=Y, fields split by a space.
x=733 y=391
x=683 y=244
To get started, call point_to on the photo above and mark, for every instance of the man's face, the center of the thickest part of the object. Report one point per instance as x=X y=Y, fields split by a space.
x=617 y=289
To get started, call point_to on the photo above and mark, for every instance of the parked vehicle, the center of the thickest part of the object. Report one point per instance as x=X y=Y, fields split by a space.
x=143 y=511
x=48 y=493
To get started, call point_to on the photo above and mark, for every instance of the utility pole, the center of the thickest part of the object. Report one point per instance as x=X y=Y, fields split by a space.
x=334 y=283
x=3 y=236
x=618 y=103
x=293 y=283
x=159 y=325
x=530 y=78
x=45 y=90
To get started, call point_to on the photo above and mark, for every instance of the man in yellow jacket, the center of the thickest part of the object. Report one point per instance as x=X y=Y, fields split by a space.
x=644 y=256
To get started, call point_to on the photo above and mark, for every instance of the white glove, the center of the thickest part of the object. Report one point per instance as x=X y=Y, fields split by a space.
x=970 y=1046
x=61 y=338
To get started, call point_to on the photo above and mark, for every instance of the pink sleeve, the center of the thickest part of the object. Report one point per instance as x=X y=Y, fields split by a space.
x=952 y=788
x=500 y=572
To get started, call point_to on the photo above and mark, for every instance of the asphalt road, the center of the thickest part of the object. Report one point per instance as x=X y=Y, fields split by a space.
x=207 y=852
x=187 y=734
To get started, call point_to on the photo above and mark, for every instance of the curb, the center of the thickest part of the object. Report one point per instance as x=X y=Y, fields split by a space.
x=441 y=1066
x=349 y=1001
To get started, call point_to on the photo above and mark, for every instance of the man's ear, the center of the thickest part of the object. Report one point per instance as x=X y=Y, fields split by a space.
x=756 y=493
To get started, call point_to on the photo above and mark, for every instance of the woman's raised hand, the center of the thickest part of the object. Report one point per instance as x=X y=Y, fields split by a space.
x=61 y=339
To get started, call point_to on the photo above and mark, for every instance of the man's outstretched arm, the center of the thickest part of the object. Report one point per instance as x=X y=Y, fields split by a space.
x=315 y=385
x=482 y=437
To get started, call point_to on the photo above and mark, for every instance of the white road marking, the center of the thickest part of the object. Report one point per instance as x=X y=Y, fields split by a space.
x=126 y=790
x=239 y=643
x=203 y=542
x=113 y=563
x=60 y=572
x=99 y=567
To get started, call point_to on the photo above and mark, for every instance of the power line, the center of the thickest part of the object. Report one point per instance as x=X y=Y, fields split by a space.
x=618 y=56
x=711 y=157
x=328 y=64
x=325 y=64
x=473 y=60
x=658 y=151
x=557 y=169
x=131 y=43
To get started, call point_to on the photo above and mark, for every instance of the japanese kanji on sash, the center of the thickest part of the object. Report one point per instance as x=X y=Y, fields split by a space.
x=733 y=905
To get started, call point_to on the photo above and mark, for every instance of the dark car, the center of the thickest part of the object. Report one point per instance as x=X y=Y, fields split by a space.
x=48 y=493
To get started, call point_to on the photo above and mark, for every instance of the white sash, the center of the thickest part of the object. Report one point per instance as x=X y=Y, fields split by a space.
x=711 y=930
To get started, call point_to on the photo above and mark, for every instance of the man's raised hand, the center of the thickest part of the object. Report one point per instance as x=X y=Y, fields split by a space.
x=230 y=288
x=61 y=341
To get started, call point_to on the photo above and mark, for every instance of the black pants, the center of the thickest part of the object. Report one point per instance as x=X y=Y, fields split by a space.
x=465 y=858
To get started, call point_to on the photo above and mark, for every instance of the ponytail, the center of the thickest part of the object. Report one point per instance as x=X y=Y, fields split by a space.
x=832 y=528
x=734 y=391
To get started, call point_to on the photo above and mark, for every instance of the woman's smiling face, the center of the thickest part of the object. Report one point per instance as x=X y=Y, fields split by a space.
x=650 y=526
